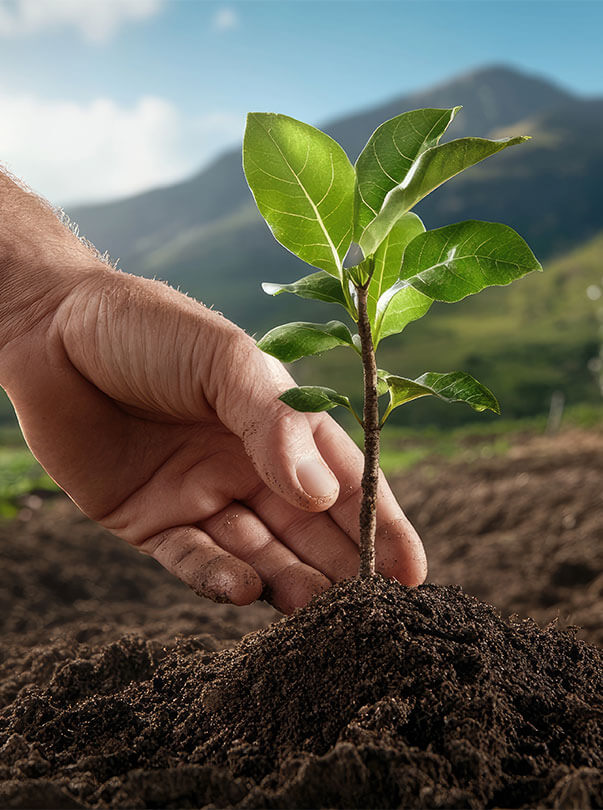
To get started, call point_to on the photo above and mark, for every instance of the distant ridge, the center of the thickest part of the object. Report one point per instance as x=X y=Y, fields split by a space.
x=524 y=341
x=133 y=228
x=491 y=97
x=205 y=236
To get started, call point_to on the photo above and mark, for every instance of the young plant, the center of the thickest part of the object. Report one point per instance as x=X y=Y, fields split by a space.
x=374 y=257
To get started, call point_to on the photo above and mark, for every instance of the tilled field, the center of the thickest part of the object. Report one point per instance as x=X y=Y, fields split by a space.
x=121 y=688
x=523 y=532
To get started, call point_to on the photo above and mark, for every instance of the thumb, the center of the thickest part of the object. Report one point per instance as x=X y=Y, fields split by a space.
x=278 y=440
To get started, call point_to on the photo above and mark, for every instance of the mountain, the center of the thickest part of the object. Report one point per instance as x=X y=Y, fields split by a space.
x=491 y=98
x=525 y=341
x=206 y=236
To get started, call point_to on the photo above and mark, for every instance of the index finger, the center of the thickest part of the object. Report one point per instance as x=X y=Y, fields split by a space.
x=399 y=550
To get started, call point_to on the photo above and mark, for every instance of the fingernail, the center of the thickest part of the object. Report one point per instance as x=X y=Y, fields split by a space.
x=316 y=478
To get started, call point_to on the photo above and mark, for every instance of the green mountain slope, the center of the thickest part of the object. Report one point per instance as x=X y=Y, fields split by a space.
x=550 y=190
x=523 y=341
x=206 y=236
x=134 y=229
x=492 y=97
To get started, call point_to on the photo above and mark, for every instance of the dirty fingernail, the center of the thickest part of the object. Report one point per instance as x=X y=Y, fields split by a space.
x=316 y=478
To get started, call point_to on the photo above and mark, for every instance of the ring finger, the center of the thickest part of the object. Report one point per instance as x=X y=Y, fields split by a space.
x=289 y=582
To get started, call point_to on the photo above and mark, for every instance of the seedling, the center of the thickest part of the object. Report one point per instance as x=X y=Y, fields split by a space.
x=374 y=257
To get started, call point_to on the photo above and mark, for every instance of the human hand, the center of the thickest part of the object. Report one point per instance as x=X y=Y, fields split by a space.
x=161 y=420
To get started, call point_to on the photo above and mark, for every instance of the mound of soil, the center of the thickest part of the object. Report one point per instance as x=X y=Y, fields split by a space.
x=122 y=688
x=374 y=695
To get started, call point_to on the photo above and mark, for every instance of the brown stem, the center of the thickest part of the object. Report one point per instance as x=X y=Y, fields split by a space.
x=370 y=476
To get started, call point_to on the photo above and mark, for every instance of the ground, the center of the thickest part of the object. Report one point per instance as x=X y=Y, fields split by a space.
x=520 y=530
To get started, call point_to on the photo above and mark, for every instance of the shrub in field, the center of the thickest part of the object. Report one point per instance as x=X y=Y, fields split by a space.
x=374 y=257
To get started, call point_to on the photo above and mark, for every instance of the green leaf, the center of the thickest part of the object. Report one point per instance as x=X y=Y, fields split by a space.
x=388 y=260
x=449 y=263
x=455 y=386
x=432 y=168
x=303 y=184
x=314 y=398
x=294 y=340
x=382 y=387
x=319 y=286
x=389 y=155
x=397 y=307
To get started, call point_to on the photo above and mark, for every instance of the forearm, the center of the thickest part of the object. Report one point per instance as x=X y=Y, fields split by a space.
x=41 y=260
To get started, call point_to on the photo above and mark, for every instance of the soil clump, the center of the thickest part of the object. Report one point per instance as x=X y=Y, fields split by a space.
x=374 y=695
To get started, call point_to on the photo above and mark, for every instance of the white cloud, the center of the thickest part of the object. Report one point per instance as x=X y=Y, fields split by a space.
x=95 y=20
x=72 y=152
x=224 y=19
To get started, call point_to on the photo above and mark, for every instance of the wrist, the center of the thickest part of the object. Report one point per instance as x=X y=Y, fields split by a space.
x=30 y=295
x=40 y=262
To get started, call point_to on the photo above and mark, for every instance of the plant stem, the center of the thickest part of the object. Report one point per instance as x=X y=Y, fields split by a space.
x=370 y=476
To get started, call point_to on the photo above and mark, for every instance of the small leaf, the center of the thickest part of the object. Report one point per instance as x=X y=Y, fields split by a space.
x=382 y=387
x=388 y=260
x=389 y=155
x=303 y=184
x=291 y=341
x=314 y=398
x=397 y=307
x=358 y=275
x=318 y=286
x=432 y=168
x=449 y=263
x=454 y=386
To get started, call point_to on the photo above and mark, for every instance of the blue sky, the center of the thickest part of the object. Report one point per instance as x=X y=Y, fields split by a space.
x=102 y=98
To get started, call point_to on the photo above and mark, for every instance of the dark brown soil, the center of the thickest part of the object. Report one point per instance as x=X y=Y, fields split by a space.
x=523 y=532
x=374 y=696
x=121 y=688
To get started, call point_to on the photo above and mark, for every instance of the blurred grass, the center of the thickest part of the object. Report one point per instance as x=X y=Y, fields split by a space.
x=20 y=473
x=402 y=448
x=405 y=447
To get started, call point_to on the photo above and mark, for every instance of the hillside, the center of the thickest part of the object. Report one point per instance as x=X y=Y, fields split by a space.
x=205 y=236
x=524 y=341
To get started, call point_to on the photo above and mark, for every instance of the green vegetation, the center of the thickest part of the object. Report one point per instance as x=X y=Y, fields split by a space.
x=376 y=259
x=527 y=341
x=533 y=339
x=405 y=447
x=204 y=235
x=402 y=448
x=20 y=473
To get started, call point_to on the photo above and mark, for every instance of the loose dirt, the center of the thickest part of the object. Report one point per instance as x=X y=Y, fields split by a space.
x=121 y=688
x=523 y=531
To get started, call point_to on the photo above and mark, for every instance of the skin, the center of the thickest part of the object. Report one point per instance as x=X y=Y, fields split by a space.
x=161 y=420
